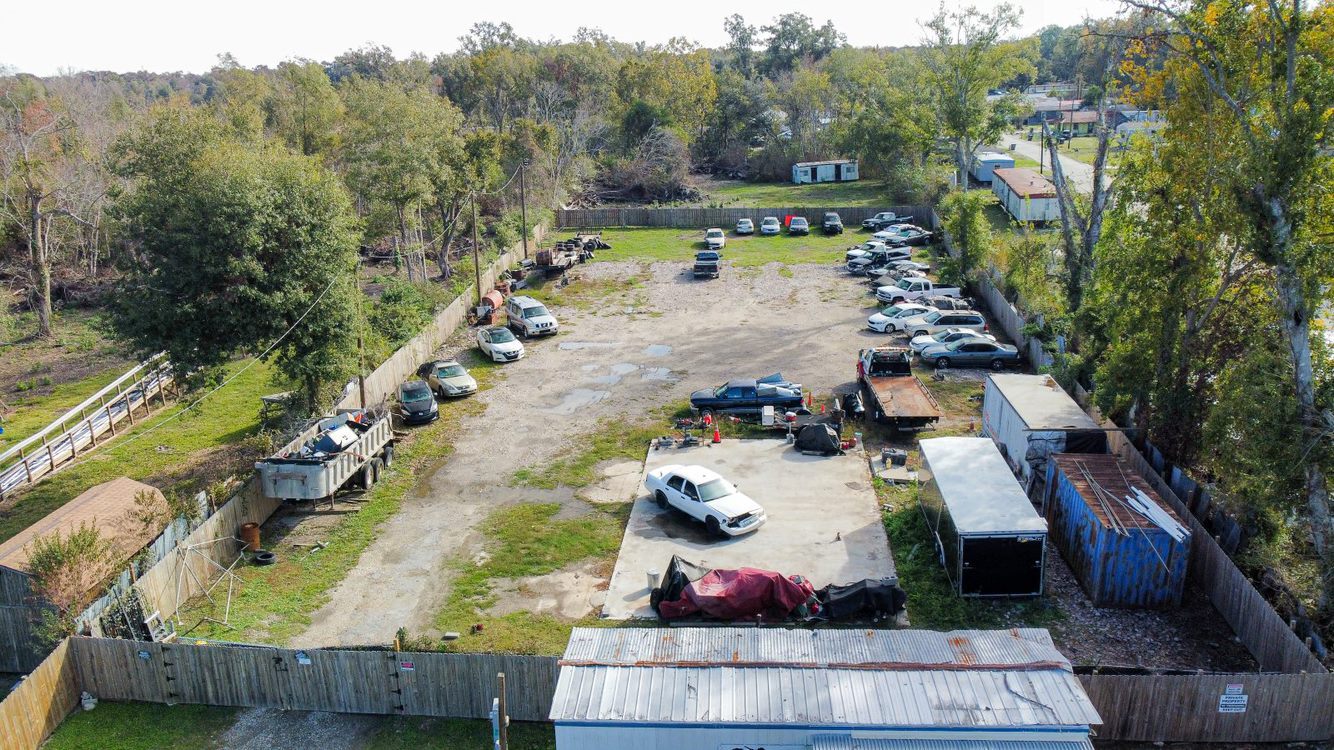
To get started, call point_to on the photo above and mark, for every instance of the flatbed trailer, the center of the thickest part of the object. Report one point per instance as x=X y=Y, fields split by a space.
x=295 y=474
x=893 y=395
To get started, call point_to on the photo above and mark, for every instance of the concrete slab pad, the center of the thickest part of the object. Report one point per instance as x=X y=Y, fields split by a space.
x=824 y=522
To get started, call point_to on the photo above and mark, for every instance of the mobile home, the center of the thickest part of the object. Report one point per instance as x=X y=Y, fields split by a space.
x=1026 y=195
x=987 y=162
x=839 y=170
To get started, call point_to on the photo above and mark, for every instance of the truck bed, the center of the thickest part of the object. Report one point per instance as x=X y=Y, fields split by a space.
x=903 y=397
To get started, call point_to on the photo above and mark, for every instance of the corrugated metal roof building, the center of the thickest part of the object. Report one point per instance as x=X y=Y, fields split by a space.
x=706 y=688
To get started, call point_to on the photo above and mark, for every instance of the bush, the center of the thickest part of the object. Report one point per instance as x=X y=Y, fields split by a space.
x=401 y=312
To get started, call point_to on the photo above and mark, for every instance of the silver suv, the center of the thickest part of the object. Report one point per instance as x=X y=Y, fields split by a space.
x=528 y=317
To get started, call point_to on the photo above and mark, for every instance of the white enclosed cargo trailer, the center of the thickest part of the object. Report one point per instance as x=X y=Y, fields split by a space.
x=1031 y=417
x=353 y=445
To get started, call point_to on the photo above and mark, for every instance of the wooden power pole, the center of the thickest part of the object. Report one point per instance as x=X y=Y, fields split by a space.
x=523 y=203
x=476 y=262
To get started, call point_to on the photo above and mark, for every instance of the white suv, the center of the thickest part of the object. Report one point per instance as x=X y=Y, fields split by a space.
x=528 y=317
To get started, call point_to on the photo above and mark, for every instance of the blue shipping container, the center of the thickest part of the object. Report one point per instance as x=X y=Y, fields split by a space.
x=1145 y=568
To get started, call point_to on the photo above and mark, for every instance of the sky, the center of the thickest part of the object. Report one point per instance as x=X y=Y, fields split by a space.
x=168 y=35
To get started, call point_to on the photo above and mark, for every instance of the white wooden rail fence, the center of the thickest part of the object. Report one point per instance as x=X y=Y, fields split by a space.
x=77 y=432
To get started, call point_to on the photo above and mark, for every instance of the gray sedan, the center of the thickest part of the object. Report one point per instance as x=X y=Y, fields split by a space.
x=971 y=353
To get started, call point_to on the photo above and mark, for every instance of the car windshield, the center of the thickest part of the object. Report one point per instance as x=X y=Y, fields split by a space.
x=501 y=335
x=904 y=283
x=714 y=489
x=945 y=336
x=414 y=392
x=954 y=345
x=910 y=311
x=771 y=221
x=451 y=371
x=893 y=310
x=713 y=233
x=831 y=217
x=535 y=312
x=932 y=317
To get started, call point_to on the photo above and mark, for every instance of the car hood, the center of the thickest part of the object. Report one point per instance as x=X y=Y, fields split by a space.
x=465 y=382
x=508 y=346
x=878 y=318
x=736 y=504
x=935 y=350
x=425 y=406
x=700 y=395
x=542 y=320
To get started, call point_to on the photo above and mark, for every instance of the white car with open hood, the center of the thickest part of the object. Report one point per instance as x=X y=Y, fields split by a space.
x=705 y=496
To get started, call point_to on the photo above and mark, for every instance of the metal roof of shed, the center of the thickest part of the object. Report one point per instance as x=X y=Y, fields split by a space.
x=782 y=696
x=826 y=161
x=978 y=487
x=1025 y=182
x=1116 y=475
x=1041 y=402
x=1016 y=648
x=847 y=742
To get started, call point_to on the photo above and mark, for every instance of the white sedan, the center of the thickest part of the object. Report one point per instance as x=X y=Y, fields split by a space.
x=885 y=320
x=714 y=239
x=498 y=343
x=707 y=497
x=745 y=226
x=947 y=336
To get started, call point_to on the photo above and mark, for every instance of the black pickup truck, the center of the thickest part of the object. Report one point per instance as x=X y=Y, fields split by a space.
x=706 y=264
x=747 y=396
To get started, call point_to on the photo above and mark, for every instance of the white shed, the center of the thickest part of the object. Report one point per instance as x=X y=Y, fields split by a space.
x=1031 y=417
x=1026 y=195
x=987 y=162
x=711 y=688
x=837 y=170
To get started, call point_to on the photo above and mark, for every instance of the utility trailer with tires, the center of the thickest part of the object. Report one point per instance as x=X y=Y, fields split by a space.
x=351 y=448
x=892 y=394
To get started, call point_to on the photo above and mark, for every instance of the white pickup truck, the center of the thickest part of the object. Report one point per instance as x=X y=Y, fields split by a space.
x=911 y=288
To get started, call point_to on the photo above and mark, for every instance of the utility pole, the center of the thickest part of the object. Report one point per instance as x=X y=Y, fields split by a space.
x=361 y=339
x=523 y=203
x=476 y=263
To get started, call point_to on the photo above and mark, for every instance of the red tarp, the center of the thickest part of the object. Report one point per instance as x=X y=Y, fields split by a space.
x=733 y=594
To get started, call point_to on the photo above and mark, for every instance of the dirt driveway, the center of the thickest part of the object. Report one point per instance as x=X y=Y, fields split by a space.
x=647 y=343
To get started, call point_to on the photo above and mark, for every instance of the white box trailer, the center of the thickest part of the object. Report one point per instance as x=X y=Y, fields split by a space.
x=1031 y=417
x=837 y=170
x=350 y=445
x=987 y=534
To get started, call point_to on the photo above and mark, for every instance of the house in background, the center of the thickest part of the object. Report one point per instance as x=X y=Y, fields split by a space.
x=1134 y=121
x=1080 y=122
x=1026 y=195
x=836 y=170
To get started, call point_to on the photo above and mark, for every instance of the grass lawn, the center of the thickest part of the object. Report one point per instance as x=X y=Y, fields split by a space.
x=737 y=194
x=184 y=455
x=34 y=409
x=150 y=726
x=273 y=603
x=680 y=245
x=1085 y=148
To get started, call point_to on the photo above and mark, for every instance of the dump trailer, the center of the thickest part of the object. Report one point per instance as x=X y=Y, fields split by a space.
x=893 y=395
x=350 y=448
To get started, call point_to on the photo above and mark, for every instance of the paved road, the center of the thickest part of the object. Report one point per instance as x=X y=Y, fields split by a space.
x=1077 y=172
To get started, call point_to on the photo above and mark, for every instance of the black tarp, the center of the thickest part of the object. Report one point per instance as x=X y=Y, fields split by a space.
x=865 y=598
x=679 y=574
x=818 y=438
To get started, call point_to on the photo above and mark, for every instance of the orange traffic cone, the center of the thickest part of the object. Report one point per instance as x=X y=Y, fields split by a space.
x=808 y=399
x=717 y=436
x=822 y=408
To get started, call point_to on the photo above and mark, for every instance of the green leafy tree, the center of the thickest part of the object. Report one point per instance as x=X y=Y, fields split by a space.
x=304 y=109
x=240 y=251
x=964 y=216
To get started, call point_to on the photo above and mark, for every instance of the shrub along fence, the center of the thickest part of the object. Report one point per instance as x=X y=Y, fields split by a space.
x=702 y=218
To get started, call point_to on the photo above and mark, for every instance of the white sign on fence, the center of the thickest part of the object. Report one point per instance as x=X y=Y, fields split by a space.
x=1233 y=700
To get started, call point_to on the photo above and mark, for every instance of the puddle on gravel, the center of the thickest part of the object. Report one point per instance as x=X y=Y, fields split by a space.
x=607 y=379
x=578 y=399
x=623 y=368
x=589 y=368
x=657 y=350
x=656 y=373
x=574 y=346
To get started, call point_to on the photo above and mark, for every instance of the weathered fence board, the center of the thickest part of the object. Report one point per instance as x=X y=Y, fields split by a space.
x=33 y=711
x=1180 y=708
x=702 y=218
x=367 y=682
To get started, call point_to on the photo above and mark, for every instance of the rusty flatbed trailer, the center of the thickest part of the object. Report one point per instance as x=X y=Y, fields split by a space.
x=893 y=394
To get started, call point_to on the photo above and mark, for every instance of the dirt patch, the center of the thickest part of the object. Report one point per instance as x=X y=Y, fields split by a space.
x=572 y=592
x=271 y=729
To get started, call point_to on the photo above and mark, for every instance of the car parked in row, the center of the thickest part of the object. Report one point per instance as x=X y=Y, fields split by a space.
x=748 y=396
x=884 y=321
x=882 y=220
x=498 y=343
x=448 y=379
x=915 y=287
x=528 y=317
x=936 y=321
x=706 y=497
x=903 y=235
x=971 y=353
x=770 y=225
x=863 y=250
x=832 y=224
x=745 y=226
x=416 y=403
x=877 y=260
x=798 y=225
x=947 y=336
x=714 y=239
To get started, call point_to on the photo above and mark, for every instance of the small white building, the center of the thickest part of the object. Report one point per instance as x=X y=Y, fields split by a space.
x=987 y=162
x=838 y=170
x=780 y=689
x=1026 y=195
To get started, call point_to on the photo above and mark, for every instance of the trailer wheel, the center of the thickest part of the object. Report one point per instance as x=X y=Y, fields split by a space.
x=370 y=474
x=388 y=455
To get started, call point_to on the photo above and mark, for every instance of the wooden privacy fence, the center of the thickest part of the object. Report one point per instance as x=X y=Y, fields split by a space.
x=362 y=682
x=1257 y=625
x=78 y=430
x=726 y=218
x=33 y=711
x=1186 y=708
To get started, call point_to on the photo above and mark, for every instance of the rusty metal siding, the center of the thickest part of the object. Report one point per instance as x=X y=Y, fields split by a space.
x=1146 y=568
